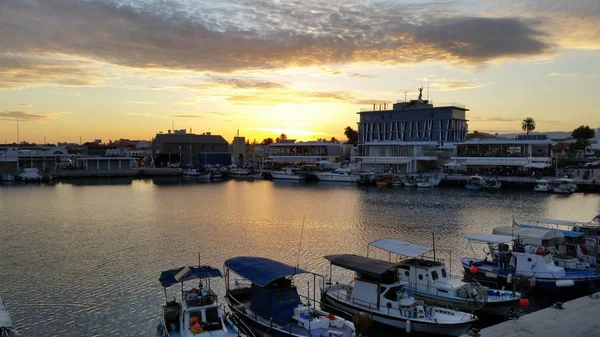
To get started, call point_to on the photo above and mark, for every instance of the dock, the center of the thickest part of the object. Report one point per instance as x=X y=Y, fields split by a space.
x=575 y=319
x=585 y=185
x=135 y=172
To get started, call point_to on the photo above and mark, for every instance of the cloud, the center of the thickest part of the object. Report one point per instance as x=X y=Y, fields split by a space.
x=185 y=116
x=238 y=35
x=26 y=116
x=342 y=73
x=452 y=84
x=495 y=119
x=25 y=105
x=279 y=97
x=142 y=102
x=588 y=75
x=289 y=131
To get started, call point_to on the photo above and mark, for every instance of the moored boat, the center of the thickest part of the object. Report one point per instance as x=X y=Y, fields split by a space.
x=6 y=326
x=429 y=281
x=564 y=186
x=379 y=292
x=30 y=174
x=199 y=313
x=196 y=174
x=7 y=177
x=338 y=175
x=410 y=181
x=475 y=183
x=289 y=173
x=543 y=185
x=493 y=184
x=269 y=303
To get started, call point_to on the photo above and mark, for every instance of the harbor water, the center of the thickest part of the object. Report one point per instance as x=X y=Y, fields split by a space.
x=83 y=257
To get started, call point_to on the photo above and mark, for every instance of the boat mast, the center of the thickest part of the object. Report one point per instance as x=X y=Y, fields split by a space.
x=433 y=238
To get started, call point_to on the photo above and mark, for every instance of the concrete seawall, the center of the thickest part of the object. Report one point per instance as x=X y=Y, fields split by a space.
x=137 y=172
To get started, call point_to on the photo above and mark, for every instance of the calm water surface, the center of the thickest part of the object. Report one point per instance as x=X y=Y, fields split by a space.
x=83 y=258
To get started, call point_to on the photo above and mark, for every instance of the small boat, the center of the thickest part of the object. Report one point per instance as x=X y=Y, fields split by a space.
x=493 y=184
x=238 y=172
x=426 y=182
x=215 y=173
x=196 y=174
x=429 y=281
x=338 y=175
x=256 y=175
x=199 y=313
x=289 y=173
x=505 y=266
x=397 y=182
x=6 y=326
x=410 y=182
x=476 y=183
x=269 y=303
x=379 y=292
x=7 y=177
x=543 y=185
x=564 y=186
x=30 y=174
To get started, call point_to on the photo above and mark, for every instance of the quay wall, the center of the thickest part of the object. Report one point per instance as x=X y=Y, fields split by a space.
x=137 y=172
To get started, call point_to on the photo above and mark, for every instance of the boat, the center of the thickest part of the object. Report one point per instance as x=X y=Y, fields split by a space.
x=289 y=173
x=425 y=182
x=475 y=183
x=543 y=185
x=338 y=175
x=564 y=186
x=7 y=177
x=199 y=312
x=536 y=267
x=6 y=326
x=410 y=182
x=429 y=281
x=237 y=172
x=215 y=173
x=493 y=184
x=397 y=182
x=269 y=303
x=379 y=292
x=196 y=174
x=30 y=174
x=256 y=175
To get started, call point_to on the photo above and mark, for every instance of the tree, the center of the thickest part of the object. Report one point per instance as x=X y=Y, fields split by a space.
x=528 y=124
x=267 y=141
x=351 y=134
x=334 y=140
x=583 y=133
x=283 y=136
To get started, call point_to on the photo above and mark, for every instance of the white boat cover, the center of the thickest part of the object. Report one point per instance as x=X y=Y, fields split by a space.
x=400 y=247
x=490 y=238
x=530 y=236
x=555 y=222
x=4 y=318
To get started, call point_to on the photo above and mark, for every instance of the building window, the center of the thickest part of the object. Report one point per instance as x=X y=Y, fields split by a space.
x=212 y=147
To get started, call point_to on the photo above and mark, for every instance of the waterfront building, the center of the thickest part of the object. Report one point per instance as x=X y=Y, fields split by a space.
x=238 y=150
x=529 y=151
x=176 y=147
x=98 y=163
x=411 y=137
x=14 y=158
x=290 y=151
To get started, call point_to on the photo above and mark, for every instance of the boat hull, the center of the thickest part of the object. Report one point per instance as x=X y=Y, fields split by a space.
x=474 y=187
x=287 y=176
x=397 y=322
x=336 y=178
x=498 y=308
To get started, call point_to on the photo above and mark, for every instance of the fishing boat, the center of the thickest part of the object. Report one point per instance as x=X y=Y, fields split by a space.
x=269 y=303
x=503 y=266
x=475 y=183
x=543 y=185
x=410 y=181
x=193 y=173
x=289 y=173
x=6 y=326
x=429 y=281
x=425 y=182
x=239 y=172
x=199 y=313
x=215 y=173
x=338 y=175
x=379 y=292
x=7 y=177
x=564 y=186
x=30 y=174
x=493 y=184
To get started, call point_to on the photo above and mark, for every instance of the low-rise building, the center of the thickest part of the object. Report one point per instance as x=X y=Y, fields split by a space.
x=186 y=148
x=14 y=158
x=290 y=151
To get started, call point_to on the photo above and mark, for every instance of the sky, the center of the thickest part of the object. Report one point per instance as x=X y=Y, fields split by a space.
x=108 y=69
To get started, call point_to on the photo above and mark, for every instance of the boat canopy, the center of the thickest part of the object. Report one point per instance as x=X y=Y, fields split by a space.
x=537 y=165
x=530 y=236
x=489 y=238
x=400 y=247
x=566 y=233
x=178 y=275
x=596 y=219
x=362 y=265
x=261 y=271
x=564 y=180
x=556 y=222
x=4 y=317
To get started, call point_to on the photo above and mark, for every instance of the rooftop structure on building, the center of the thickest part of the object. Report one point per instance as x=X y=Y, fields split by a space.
x=407 y=138
x=290 y=151
x=186 y=148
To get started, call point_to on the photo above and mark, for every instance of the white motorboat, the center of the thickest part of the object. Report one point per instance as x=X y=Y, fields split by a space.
x=238 y=172
x=6 y=326
x=30 y=174
x=7 y=177
x=215 y=173
x=340 y=175
x=476 y=183
x=378 y=291
x=268 y=301
x=429 y=281
x=564 y=186
x=493 y=184
x=543 y=185
x=256 y=175
x=428 y=182
x=196 y=174
x=289 y=173
x=410 y=182
x=199 y=313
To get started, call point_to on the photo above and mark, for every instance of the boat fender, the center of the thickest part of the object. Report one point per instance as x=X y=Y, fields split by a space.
x=565 y=283
x=408 y=326
x=491 y=275
x=509 y=279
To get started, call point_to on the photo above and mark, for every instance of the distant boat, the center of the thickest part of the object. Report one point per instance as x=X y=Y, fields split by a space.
x=475 y=183
x=543 y=185
x=493 y=184
x=239 y=172
x=30 y=174
x=196 y=174
x=6 y=327
x=289 y=173
x=410 y=182
x=7 y=177
x=426 y=182
x=338 y=175
x=216 y=173
x=564 y=186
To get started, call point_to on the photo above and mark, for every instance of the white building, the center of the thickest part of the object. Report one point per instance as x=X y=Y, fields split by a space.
x=290 y=151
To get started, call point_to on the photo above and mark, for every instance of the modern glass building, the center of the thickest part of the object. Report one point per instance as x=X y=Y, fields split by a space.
x=408 y=138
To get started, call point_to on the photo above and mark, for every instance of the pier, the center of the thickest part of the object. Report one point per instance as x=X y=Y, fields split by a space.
x=136 y=172
x=576 y=318
x=585 y=185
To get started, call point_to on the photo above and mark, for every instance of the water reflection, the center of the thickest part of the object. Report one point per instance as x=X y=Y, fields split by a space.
x=98 y=246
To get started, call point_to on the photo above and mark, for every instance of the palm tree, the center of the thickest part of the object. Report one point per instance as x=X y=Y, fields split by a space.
x=528 y=125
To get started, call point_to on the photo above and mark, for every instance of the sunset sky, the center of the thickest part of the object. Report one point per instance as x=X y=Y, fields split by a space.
x=128 y=69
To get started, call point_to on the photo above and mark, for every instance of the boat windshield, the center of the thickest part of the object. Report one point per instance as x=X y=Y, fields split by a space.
x=392 y=294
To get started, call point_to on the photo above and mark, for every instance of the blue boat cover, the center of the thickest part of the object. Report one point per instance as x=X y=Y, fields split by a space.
x=566 y=233
x=259 y=270
x=167 y=278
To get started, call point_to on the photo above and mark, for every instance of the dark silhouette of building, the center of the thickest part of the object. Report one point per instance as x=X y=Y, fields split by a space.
x=178 y=146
